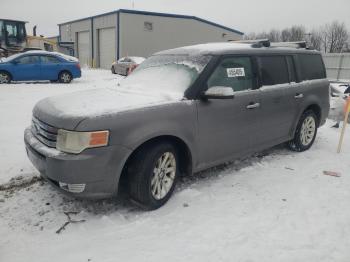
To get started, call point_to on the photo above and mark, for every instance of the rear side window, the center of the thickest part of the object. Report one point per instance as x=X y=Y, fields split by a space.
x=49 y=60
x=234 y=72
x=311 y=67
x=274 y=70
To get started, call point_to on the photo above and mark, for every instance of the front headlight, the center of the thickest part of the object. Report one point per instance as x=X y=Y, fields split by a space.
x=76 y=142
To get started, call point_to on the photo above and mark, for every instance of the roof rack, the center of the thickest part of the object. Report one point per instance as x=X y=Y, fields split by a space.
x=297 y=44
x=254 y=43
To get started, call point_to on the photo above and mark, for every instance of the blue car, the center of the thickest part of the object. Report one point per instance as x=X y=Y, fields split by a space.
x=38 y=66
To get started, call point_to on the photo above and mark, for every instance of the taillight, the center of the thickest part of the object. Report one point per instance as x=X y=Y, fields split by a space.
x=78 y=66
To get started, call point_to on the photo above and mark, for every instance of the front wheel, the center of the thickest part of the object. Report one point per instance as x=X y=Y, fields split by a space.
x=152 y=175
x=305 y=133
x=65 y=77
x=5 y=78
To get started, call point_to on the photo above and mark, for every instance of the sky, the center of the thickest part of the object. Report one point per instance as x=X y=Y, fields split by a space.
x=246 y=16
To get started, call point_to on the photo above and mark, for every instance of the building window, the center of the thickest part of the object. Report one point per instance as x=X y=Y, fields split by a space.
x=148 y=26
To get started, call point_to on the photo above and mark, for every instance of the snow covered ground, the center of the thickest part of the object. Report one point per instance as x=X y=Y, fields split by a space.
x=275 y=206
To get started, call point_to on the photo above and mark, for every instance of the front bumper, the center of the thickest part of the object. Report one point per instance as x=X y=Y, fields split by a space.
x=99 y=169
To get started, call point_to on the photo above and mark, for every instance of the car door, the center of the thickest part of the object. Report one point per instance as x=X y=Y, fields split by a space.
x=278 y=109
x=50 y=67
x=227 y=127
x=26 y=68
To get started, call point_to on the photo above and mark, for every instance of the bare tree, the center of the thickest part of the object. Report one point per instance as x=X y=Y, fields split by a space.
x=297 y=33
x=274 y=35
x=286 y=35
x=316 y=39
x=335 y=37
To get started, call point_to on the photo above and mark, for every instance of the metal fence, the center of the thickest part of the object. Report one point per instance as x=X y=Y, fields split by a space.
x=337 y=66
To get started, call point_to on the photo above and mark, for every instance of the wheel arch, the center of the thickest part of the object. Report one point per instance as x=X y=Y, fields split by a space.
x=184 y=154
x=63 y=71
x=8 y=72
x=316 y=109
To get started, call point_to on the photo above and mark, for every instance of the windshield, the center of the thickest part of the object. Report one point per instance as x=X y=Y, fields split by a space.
x=10 y=58
x=166 y=74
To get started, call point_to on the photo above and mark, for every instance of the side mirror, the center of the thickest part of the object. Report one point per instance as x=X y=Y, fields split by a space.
x=219 y=92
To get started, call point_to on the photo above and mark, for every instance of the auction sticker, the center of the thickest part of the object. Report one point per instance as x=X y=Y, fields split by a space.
x=235 y=72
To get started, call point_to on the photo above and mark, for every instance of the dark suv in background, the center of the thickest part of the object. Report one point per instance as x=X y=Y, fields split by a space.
x=181 y=111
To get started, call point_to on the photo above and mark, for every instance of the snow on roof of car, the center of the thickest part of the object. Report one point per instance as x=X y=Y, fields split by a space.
x=228 y=47
x=137 y=59
x=43 y=52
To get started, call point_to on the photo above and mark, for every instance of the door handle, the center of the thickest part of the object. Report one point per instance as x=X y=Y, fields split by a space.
x=298 y=96
x=253 y=105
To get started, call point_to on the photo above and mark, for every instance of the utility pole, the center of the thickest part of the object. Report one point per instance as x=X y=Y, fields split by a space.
x=308 y=38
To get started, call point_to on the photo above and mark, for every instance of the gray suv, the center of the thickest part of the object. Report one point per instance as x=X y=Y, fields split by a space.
x=181 y=111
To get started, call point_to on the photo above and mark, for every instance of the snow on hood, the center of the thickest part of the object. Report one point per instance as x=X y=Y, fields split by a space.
x=68 y=110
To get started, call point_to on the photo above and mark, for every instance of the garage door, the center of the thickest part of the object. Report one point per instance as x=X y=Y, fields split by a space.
x=83 y=47
x=107 y=47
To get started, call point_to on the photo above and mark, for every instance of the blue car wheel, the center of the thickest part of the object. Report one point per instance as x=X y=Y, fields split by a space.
x=5 y=78
x=65 y=77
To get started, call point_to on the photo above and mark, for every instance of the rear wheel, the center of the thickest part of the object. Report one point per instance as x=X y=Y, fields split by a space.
x=152 y=175
x=5 y=78
x=65 y=77
x=305 y=133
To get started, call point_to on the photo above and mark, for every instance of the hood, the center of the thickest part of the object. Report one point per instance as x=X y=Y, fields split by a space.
x=68 y=110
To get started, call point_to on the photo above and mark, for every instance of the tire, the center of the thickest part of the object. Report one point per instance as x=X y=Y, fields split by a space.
x=65 y=77
x=149 y=185
x=5 y=78
x=305 y=132
x=113 y=70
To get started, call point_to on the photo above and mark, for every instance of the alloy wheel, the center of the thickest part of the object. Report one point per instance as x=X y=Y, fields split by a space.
x=65 y=78
x=308 y=130
x=4 y=78
x=163 y=175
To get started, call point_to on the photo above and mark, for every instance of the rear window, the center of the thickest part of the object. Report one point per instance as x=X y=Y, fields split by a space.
x=311 y=67
x=274 y=70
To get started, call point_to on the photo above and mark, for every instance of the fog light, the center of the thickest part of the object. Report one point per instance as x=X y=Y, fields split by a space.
x=73 y=188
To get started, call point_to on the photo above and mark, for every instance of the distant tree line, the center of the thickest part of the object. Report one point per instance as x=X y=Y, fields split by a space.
x=329 y=38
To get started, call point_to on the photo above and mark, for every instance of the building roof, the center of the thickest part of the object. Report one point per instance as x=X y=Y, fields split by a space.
x=126 y=11
x=11 y=20
x=231 y=48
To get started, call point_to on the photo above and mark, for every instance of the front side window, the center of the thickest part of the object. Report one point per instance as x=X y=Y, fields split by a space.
x=311 y=67
x=273 y=70
x=234 y=72
x=25 y=60
x=11 y=29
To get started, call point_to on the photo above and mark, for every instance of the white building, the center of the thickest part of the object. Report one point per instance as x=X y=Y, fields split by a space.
x=100 y=40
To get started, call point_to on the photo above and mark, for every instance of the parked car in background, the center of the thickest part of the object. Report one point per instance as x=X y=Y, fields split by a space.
x=339 y=89
x=181 y=111
x=38 y=66
x=124 y=66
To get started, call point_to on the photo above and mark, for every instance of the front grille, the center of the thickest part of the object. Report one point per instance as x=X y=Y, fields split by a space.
x=45 y=133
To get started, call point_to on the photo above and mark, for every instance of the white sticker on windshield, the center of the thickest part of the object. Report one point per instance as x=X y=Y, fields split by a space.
x=235 y=72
